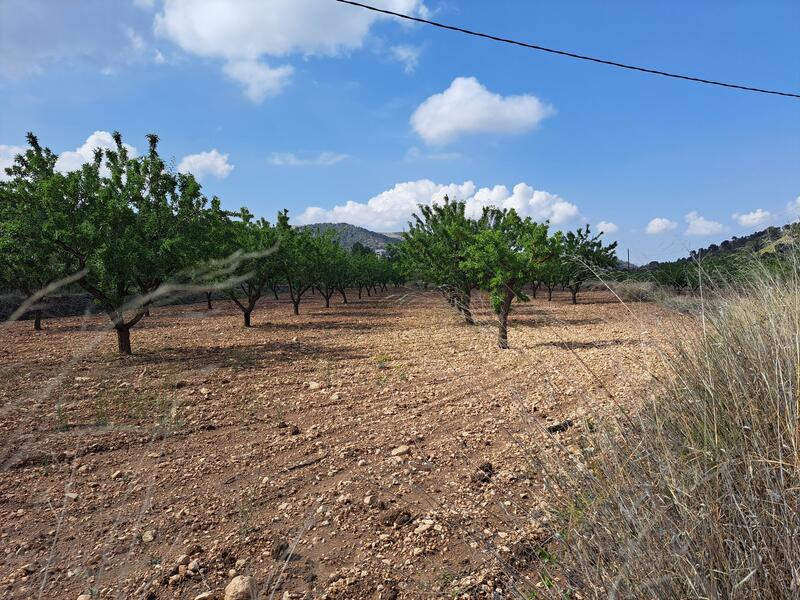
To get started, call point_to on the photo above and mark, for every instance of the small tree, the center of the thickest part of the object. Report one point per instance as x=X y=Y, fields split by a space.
x=256 y=242
x=435 y=246
x=503 y=257
x=582 y=253
x=332 y=267
x=27 y=262
x=125 y=232
x=298 y=259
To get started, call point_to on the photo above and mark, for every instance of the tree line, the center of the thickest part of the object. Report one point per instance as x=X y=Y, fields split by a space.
x=129 y=230
x=500 y=253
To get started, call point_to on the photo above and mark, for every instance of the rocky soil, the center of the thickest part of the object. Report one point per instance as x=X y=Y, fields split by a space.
x=380 y=449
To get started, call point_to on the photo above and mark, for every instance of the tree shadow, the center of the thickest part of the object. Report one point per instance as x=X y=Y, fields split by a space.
x=597 y=344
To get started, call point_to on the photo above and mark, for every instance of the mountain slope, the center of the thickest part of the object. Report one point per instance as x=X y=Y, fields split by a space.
x=350 y=234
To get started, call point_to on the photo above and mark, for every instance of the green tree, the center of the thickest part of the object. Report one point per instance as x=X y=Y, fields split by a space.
x=503 y=257
x=297 y=260
x=126 y=232
x=27 y=262
x=435 y=246
x=581 y=255
x=332 y=267
x=256 y=244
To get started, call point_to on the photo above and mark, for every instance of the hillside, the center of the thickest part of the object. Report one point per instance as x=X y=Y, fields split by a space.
x=350 y=234
x=772 y=240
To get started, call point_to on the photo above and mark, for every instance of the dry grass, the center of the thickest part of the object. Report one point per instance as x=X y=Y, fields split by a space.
x=697 y=495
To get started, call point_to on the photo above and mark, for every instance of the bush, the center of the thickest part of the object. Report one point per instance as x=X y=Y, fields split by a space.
x=697 y=494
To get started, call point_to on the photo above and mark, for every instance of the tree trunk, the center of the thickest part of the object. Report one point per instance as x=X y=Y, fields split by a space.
x=275 y=292
x=344 y=296
x=368 y=294
x=247 y=318
x=37 y=320
x=124 y=339
x=296 y=307
x=549 y=294
x=574 y=291
x=359 y=291
x=502 y=329
x=535 y=288
x=208 y=301
x=327 y=301
x=465 y=308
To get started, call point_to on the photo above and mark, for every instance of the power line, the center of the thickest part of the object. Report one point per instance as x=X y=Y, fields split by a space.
x=569 y=54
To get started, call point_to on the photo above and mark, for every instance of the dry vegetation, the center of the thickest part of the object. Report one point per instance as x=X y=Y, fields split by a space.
x=378 y=449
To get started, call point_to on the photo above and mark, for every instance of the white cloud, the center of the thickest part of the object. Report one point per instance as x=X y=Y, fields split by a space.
x=145 y=4
x=407 y=55
x=607 y=227
x=7 y=155
x=242 y=32
x=206 y=163
x=751 y=219
x=698 y=225
x=392 y=209
x=290 y=159
x=660 y=225
x=72 y=160
x=257 y=79
x=468 y=107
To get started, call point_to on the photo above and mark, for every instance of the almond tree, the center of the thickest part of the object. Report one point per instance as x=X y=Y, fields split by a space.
x=582 y=255
x=27 y=262
x=435 y=247
x=256 y=242
x=298 y=259
x=125 y=231
x=503 y=257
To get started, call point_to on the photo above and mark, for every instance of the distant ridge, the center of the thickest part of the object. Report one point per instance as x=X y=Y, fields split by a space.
x=350 y=234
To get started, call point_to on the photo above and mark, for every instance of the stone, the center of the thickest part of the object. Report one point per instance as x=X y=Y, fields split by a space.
x=314 y=385
x=116 y=474
x=194 y=566
x=401 y=450
x=205 y=596
x=85 y=597
x=183 y=559
x=241 y=587
x=148 y=536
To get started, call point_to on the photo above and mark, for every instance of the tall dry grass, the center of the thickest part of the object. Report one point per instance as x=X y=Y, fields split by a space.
x=697 y=494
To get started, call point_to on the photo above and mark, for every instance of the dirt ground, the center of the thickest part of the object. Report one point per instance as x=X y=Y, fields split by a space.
x=333 y=454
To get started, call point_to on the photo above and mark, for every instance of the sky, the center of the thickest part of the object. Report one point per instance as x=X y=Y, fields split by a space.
x=341 y=115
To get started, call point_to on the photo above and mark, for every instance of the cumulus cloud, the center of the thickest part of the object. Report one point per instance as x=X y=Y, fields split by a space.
x=407 y=55
x=243 y=32
x=698 y=225
x=468 y=107
x=660 y=225
x=751 y=219
x=7 y=155
x=258 y=81
x=607 y=227
x=72 y=160
x=391 y=210
x=290 y=159
x=206 y=163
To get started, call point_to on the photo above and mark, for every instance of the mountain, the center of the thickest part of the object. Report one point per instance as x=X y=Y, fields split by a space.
x=350 y=234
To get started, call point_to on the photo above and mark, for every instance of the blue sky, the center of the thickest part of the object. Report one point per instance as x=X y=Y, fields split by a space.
x=338 y=115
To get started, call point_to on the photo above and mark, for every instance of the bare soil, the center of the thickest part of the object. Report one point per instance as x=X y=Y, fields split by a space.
x=341 y=453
